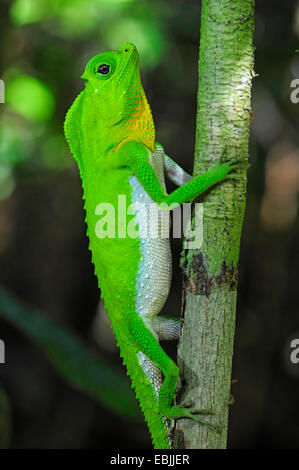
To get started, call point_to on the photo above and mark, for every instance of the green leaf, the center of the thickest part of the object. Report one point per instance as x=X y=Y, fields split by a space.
x=76 y=365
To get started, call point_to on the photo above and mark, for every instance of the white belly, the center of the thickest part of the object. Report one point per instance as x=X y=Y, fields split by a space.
x=154 y=271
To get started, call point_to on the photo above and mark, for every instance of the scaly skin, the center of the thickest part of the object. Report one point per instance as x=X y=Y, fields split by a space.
x=111 y=135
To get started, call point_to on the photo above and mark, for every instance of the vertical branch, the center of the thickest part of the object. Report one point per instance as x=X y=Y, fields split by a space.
x=210 y=280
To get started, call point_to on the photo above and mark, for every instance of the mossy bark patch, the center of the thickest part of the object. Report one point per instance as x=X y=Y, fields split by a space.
x=200 y=282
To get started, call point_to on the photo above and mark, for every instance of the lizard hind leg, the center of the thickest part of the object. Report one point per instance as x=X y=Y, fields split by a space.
x=150 y=347
x=167 y=328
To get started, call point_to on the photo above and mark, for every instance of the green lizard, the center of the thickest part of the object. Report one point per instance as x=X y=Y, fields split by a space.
x=111 y=135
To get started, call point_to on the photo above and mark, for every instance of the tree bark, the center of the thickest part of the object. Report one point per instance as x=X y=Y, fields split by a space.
x=210 y=273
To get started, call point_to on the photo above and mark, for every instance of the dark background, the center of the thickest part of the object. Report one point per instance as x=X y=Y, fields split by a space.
x=44 y=255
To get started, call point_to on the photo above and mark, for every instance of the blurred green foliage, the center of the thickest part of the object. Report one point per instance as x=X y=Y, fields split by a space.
x=30 y=98
x=112 y=21
x=30 y=132
x=76 y=365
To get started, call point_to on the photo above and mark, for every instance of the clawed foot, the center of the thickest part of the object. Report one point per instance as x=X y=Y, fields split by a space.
x=178 y=412
x=224 y=170
x=201 y=411
x=193 y=412
x=230 y=169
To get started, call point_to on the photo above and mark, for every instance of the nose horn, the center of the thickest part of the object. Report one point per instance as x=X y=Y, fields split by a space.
x=127 y=47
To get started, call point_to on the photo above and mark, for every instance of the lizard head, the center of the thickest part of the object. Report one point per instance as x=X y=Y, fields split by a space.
x=107 y=72
x=114 y=89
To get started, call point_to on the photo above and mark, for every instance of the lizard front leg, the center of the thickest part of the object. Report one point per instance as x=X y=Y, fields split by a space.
x=135 y=155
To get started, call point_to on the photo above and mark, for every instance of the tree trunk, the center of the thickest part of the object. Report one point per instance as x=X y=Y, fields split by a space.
x=210 y=272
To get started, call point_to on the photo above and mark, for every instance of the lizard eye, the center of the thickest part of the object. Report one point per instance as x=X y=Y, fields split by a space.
x=104 y=69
